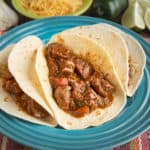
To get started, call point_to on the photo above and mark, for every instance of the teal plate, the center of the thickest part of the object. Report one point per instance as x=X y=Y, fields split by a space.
x=132 y=121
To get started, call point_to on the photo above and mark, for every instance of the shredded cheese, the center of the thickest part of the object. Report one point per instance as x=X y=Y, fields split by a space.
x=52 y=7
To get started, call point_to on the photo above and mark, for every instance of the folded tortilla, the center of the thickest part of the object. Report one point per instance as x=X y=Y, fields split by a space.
x=122 y=49
x=19 y=59
x=97 y=56
x=136 y=58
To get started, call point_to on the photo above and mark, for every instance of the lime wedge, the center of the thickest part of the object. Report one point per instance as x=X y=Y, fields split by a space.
x=131 y=1
x=134 y=17
x=144 y=3
x=147 y=18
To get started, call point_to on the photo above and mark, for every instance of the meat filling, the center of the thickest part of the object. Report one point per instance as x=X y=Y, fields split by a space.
x=83 y=68
x=24 y=102
x=131 y=71
x=78 y=89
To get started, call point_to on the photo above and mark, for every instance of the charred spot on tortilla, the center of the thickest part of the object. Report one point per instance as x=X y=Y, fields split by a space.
x=19 y=109
x=98 y=113
x=24 y=102
x=34 y=54
x=78 y=88
x=60 y=39
x=6 y=99
x=131 y=70
x=69 y=123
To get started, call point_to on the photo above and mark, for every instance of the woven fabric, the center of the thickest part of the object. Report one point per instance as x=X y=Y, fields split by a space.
x=140 y=143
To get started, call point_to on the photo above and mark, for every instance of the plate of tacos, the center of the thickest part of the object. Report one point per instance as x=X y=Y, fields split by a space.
x=73 y=83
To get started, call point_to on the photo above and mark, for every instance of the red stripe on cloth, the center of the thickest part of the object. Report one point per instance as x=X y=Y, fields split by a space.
x=122 y=147
x=1 y=33
x=10 y=145
x=117 y=148
x=125 y=146
x=1 y=139
x=146 y=36
x=144 y=139
x=148 y=40
x=134 y=145
x=18 y=146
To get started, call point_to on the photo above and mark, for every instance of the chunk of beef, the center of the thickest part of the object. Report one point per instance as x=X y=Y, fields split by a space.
x=32 y=107
x=83 y=68
x=67 y=66
x=79 y=88
x=81 y=103
x=62 y=94
x=95 y=81
x=90 y=94
x=108 y=100
x=91 y=98
x=73 y=105
x=72 y=78
x=53 y=66
x=58 y=51
x=101 y=102
x=105 y=101
x=107 y=85
x=53 y=81
x=12 y=87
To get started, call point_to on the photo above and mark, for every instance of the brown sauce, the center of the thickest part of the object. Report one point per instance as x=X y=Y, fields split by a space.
x=78 y=88
x=25 y=103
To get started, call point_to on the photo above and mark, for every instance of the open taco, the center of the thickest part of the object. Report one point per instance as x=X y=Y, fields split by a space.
x=124 y=51
x=136 y=58
x=79 y=81
x=19 y=95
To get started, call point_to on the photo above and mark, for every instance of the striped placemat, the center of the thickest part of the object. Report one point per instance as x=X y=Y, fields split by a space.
x=140 y=143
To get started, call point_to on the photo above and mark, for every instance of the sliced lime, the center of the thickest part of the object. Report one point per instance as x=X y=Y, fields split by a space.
x=131 y=1
x=147 y=18
x=144 y=3
x=134 y=17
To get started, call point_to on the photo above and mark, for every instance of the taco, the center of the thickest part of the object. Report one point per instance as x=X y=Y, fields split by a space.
x=79 y=82
x=19 y=95
x=136 y=58
x=123 y=49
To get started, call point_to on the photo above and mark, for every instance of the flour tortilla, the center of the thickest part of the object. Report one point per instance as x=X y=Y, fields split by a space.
x=136 y=56
x=120 y=46
x=7 y=104
x=113 y=44
x=101 y=61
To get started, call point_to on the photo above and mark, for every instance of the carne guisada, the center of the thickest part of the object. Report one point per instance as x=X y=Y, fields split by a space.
x=78 y=88
x=25 y=103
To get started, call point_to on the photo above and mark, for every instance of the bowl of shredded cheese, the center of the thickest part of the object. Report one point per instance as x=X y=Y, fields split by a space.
x=37 y=9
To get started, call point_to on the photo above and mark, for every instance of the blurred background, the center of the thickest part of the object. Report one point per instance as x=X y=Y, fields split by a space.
x=134 y=14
